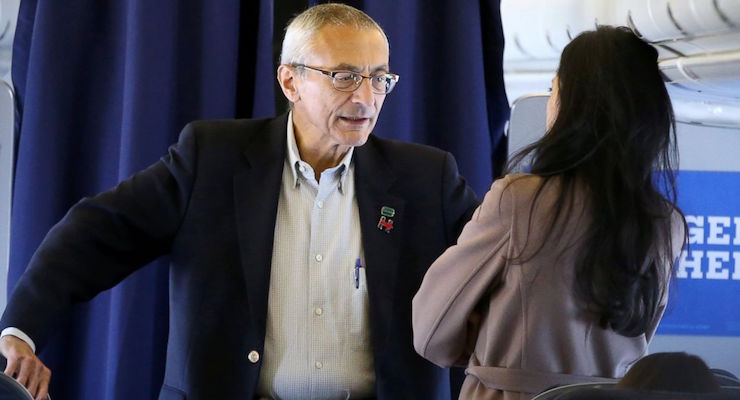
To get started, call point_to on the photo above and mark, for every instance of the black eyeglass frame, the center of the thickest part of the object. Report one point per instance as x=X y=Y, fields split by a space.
x=390 y=79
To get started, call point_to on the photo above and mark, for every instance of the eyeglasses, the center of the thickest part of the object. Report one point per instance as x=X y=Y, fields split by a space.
x=347 y=81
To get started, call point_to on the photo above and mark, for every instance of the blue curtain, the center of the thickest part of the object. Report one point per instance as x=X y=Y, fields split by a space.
x=103 y=87
x=451 y=93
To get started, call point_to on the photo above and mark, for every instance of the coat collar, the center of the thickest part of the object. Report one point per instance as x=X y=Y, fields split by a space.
x=374 y=186
x=256 y=195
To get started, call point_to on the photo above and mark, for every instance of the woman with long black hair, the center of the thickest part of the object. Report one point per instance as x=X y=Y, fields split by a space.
x=562 y=274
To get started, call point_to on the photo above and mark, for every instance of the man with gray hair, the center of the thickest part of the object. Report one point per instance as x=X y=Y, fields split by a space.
x=296 y=242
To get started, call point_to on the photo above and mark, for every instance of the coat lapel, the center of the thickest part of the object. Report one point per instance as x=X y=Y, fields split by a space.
x=256 y=195
x=373 y=182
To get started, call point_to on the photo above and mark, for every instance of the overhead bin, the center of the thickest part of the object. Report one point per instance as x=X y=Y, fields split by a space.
x=663 y=20
x=698 y=43
x=716 y=74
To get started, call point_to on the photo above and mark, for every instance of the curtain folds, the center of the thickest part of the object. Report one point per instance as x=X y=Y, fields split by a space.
x=103 y=87
x=451 y=93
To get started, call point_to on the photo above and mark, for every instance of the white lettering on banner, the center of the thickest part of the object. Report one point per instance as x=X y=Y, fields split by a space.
x=717 y=227
x=696 y=229
x=694 y=263
x=715 y=268
x=712 y=252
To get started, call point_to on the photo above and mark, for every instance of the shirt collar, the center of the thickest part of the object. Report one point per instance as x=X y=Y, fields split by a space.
x=295 y=161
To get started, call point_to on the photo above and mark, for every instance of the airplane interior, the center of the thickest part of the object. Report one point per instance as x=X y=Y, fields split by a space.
x=698 y=42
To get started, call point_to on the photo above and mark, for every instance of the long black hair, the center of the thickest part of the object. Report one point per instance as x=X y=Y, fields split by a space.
x=613 y=138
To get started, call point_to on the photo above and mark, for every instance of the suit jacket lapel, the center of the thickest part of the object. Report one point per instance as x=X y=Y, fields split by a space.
x=256 y=196
x=373 y=182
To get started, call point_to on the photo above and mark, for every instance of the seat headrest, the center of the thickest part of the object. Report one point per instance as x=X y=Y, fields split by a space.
x=629 y=394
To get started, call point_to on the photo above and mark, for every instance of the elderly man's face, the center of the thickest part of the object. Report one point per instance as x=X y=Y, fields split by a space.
x=332 y=116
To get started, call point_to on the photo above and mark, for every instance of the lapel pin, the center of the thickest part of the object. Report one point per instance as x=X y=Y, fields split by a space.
x=386 y=223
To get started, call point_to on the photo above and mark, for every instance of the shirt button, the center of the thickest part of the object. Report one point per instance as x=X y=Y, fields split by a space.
x=253 y=356
x=318 y=311
x=302 y=168
x=320 y=204
x=319 y=365
x=319 y=257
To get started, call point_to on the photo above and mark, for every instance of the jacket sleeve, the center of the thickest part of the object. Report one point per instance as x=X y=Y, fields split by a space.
x=460 y=278
x=458 y=200
x=103 y=239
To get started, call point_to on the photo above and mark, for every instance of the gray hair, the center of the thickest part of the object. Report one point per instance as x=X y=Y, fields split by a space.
x=301 y=30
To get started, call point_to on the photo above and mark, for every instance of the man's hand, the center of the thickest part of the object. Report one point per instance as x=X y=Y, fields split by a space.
x=25 y=367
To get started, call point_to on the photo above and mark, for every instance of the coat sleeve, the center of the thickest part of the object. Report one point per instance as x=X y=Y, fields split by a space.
x=460 y=278
x=103 y=239
x=458 y=200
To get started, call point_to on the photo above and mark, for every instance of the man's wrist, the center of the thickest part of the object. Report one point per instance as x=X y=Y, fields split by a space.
x=10 y=331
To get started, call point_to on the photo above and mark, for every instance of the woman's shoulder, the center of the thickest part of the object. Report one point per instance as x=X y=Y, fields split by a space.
x=517 y=180
x=522 y=185
x=509 y=193
x=534 y=196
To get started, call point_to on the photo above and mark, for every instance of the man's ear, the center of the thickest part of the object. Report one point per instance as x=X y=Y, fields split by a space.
x=286 y=76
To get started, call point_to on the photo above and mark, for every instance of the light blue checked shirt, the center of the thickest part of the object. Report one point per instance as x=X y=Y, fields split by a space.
x=318 y=333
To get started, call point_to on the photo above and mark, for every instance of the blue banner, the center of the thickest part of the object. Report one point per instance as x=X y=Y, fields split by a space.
x=704 y=299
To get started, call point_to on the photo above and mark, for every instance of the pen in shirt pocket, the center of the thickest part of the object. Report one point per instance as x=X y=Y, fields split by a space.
x=358 y=265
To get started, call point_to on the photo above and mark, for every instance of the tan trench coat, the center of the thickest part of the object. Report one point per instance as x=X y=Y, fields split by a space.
x=517 y=324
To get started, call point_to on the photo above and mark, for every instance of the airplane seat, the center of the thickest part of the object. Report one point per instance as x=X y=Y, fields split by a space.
x=729 y=389
x=725 y=378
x=590 y=393
x=527 y=121
x=10 y=389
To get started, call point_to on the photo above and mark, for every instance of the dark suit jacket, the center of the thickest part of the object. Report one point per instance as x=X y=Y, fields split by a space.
x=211 y=205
